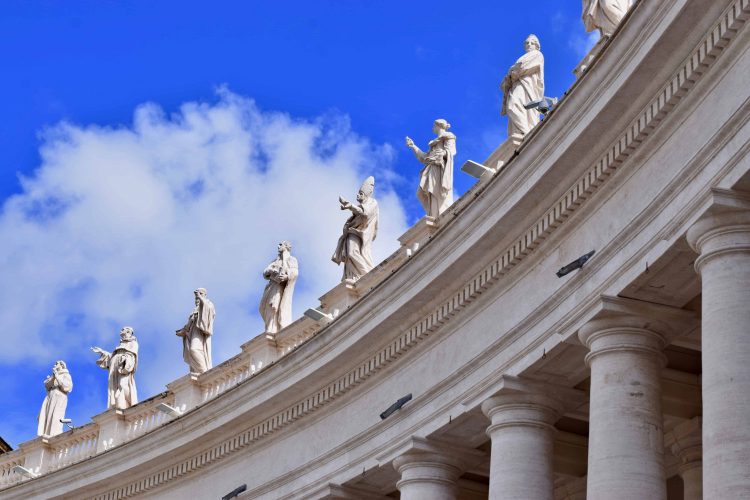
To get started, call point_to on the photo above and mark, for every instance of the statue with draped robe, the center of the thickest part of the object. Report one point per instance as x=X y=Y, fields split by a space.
x=276 y=303
x=435 y=190
x=196 y=334
x=354 y=248
x=604 y=15
x=523 y=84
x=121 y=364
x=58 y=385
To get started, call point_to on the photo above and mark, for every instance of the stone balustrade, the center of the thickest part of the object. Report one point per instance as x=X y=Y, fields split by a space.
x=73 y=446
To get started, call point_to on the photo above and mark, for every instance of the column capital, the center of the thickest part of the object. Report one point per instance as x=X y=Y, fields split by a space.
x=687 y=443
x=631 y=325
x=528 y=402
x=724 y=228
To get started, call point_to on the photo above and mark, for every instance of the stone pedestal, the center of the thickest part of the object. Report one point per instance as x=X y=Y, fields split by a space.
x=37 y=454
x=722 y=239
x=626 y=437
x=427 y=476
x=112 y=427
x=417 y=235
x=340 y=298
x=187 y=392
x=522 y=434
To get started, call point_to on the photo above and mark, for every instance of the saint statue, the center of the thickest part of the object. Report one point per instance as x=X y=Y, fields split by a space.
x=354 y=248
x=604 y=15
x=523 y=84
x=121 y=363
x=435 y=190
x=276 y=304
x=58 y=385
x=196 y=334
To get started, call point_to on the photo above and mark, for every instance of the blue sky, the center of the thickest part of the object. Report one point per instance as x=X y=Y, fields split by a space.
x=148 y=148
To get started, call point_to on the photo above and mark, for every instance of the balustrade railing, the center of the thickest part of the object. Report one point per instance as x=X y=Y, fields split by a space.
x=71 y=447
x=8 y=461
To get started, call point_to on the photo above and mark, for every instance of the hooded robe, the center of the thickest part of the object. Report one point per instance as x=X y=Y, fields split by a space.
x=122 y=364
x=58 y=386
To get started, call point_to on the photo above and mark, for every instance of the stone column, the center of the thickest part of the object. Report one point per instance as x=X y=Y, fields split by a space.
x=427 y=475
x=626 y=436
x=687 y=447
x=722 y=238
x=522 y=434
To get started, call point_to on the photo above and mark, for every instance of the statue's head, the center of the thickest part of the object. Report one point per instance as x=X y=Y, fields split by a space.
x=59 y=366
x=199 y=292
x=532 y=43
x=440 y=124
x=368 y=187
x=126 y=333
x=285 y=246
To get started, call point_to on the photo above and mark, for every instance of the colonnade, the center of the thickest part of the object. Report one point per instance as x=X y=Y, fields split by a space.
x=625 y=340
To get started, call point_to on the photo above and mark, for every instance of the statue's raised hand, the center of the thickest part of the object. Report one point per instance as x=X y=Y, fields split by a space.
x=409 y=142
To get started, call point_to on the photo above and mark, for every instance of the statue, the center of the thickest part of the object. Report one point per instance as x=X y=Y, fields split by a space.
x=604 y=15
x=354 y=248
x=276 y=304
x=121 y=364
x=435 y=190
x=58 y=385
x=523 y=84
x=196 y=334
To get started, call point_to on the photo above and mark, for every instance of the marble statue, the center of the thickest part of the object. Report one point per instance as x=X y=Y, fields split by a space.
x=435 y=190
x=122 y=364
x=354 y=248
x=196 y=334
x=604 y=15
x=58 y=385
x=276 y=304
x=523 y=84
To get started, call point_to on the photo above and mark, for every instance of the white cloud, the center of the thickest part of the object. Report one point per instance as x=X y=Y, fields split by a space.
x=118 y=226
x=581 y=43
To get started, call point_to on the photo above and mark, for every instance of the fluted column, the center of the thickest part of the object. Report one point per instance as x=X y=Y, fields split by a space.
x=522 y=434
x=427 y=475
x=626 y=445
x=687 y=447
x=722 y=239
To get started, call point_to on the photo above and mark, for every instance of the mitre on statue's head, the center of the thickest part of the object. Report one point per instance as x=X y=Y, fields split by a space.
x=368 y=186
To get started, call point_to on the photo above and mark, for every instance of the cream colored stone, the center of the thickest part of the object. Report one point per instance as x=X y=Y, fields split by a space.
x=197 y=332
x=626 y=449
x=722 y=239
x=435 y=190
x=523 y=84
x=58 y=385
x=522 y=435
x=121 y=364
x=522 y=417
x=604 y=15
x=276 y=303
x=354 y=248
x=687 y=447
x=427 y=476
